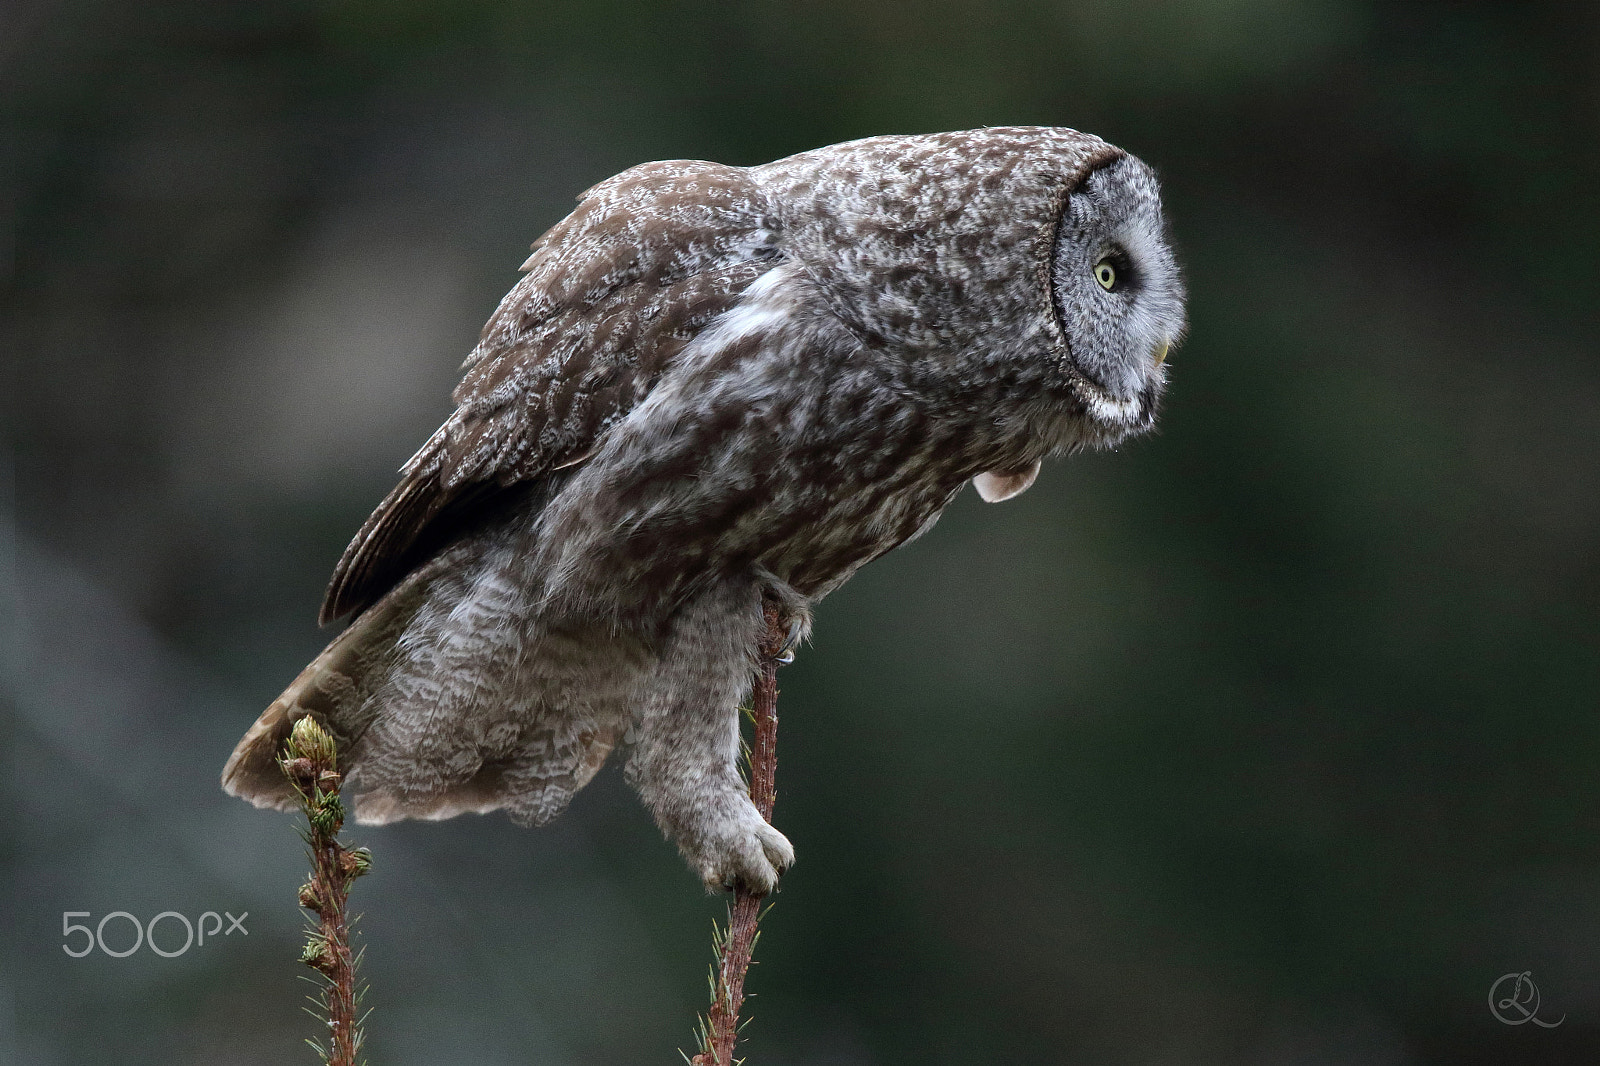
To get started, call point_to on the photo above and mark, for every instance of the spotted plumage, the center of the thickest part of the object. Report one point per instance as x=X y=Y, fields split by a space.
x=715 y=384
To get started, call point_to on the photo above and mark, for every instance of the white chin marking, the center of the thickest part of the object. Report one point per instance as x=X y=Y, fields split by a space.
x=1116 y=412
x=995 y=487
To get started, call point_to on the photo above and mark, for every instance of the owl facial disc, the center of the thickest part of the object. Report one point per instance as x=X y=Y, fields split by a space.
x=1117 y=291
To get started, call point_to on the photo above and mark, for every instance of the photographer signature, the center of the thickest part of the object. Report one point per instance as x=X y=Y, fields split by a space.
x=1522 y=1005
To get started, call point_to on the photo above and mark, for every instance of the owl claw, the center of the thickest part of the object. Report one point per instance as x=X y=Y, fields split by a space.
x=791 y=641
x=785 y=654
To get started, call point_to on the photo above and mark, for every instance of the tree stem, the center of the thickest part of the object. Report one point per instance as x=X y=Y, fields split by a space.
x=310 y=762
x=721 y=1027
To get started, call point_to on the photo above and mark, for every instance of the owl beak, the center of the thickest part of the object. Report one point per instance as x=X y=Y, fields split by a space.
x=1161 y=352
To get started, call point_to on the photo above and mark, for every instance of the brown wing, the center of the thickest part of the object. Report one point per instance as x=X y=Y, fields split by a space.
x=612 y=293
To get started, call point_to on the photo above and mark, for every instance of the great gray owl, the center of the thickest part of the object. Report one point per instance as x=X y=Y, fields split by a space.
x=716 y=384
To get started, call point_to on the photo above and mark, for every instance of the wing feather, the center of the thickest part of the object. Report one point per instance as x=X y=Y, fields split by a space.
x=611 y=295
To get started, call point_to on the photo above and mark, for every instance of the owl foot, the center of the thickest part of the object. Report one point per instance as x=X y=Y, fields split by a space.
x=739 y=850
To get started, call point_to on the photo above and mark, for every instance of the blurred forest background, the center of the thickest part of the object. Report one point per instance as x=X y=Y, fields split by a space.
x=1269 y=739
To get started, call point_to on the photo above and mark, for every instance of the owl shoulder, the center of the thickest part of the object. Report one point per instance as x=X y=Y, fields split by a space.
x=610 y=295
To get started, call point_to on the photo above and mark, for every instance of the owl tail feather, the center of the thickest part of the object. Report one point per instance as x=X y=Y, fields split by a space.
x=430 y=751
x=334 y=688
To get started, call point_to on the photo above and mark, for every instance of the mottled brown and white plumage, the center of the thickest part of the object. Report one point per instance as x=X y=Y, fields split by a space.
x=716 y=383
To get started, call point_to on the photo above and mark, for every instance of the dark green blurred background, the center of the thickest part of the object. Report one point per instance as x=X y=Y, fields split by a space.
x=1268 y=739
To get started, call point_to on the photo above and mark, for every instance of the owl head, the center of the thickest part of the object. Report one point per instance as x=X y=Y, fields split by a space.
x=1118 y=297
x=1028 y=264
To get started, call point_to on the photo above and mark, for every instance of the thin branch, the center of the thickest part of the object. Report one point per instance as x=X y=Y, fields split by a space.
x=719 y=1028
x=310 y=761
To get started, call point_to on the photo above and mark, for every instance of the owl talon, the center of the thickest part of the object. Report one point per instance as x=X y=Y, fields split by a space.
x=791 y=641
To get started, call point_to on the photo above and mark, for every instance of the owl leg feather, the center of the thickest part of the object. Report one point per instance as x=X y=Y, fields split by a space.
x=685 y=760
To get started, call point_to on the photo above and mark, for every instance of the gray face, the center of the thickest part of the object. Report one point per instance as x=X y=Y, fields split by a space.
x=1117 y=287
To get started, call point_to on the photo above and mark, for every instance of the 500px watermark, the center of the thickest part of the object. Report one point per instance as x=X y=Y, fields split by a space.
x=194 y=933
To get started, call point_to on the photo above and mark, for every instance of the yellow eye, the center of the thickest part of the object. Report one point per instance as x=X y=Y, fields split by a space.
x=1105 y=274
